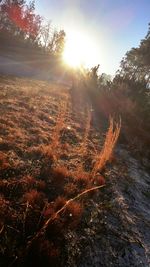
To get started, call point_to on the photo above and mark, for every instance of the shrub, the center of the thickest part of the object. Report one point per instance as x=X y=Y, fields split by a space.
x=48 y=211
x=59 y=203
x=72 y=214
x=34 y=198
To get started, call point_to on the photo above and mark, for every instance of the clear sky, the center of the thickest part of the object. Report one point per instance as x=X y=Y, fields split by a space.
x=114 y=25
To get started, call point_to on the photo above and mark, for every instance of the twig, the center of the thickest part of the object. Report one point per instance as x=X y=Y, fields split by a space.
x=24 y=217
x=41 y=215
x=42 y=230
x=2 y=229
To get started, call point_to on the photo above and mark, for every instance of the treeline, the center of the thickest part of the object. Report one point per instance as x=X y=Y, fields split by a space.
x=26 y=36
x=126 y=96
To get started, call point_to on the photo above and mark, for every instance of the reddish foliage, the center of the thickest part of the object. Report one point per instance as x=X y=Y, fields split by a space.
x=60 y=173
x=99 y=180
x=24 y=18
x=72 y=214
x=16 y=187
x=49 y=211
x=34 y=198
x=59 y=203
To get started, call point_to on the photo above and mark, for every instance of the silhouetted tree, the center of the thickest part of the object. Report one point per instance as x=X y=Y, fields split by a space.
x=56 y=43
x=46 y=34
x=136 y=63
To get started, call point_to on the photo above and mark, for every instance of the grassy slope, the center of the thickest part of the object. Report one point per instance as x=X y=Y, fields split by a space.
x=48 y=144
x=41 y=147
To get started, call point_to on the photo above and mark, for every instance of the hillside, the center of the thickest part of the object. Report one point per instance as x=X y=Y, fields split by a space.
x=50 y=140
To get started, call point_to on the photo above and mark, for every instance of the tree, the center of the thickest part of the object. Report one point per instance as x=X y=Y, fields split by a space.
x=46 y=34
x=57 y=42
x=32 y=22
x=18 y=21
x=136 y=63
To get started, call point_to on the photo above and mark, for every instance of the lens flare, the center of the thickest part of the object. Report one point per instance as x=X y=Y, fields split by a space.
x=79 y=50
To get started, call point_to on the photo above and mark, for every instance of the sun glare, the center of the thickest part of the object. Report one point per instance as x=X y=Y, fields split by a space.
x=79 y=50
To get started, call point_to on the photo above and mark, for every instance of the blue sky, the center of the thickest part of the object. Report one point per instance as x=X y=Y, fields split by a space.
x=114 y=25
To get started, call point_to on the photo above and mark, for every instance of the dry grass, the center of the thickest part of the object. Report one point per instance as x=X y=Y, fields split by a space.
x=4 y=164
x=106 y=152
x=41 y=189
x=83 y=146
x=59 y=125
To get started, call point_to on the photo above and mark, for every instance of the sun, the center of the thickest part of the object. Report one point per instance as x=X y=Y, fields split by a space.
x=79 y=50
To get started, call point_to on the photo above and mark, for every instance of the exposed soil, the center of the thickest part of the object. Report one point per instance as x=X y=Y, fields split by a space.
x=117 y=232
